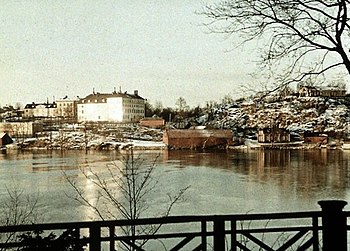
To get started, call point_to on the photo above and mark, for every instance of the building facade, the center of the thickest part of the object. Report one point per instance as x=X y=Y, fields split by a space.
x=63 y=109
x=111 y=107
x=273 y=135
x=153 y=122
x=197 y=138
x=321 y=91
x=21 y=129
x=41 y=110
x=66 y=108
x=309 y=91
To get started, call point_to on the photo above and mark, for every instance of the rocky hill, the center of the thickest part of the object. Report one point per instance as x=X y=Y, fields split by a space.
x=296 y=114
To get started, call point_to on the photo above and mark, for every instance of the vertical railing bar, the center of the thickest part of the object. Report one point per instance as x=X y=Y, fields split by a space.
x=111 y=236
x=219 y=234
x=95 y=238
x=233 y=235
x=77 y=236
x=315 y=233
x=204 y=234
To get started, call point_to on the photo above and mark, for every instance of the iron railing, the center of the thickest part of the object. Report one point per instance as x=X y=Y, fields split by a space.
x=313 y=230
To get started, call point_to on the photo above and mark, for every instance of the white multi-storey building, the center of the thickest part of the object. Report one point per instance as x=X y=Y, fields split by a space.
x=111 y=107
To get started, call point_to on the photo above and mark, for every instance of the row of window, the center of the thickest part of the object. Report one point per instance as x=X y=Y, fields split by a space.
x=125 y=101
x=127 y=111
x=125 y=117
x=65 y=104
x=132 y=105
x=95 y=101
x=134 y=111
x=46 y=110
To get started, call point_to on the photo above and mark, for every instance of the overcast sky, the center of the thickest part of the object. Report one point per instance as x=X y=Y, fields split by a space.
x=50 y=49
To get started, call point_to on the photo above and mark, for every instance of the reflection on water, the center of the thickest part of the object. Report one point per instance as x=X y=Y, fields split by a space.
x=308 y=173
x=234 y=181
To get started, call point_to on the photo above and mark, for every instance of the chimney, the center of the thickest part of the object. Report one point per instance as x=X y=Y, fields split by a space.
x=136 y=92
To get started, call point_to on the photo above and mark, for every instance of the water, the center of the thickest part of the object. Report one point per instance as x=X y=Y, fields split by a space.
x=221 y=182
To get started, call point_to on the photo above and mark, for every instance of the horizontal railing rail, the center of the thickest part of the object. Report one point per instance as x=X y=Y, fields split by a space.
x=268 y=231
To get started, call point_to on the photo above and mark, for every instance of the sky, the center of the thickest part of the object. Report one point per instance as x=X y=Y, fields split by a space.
x=50 y=49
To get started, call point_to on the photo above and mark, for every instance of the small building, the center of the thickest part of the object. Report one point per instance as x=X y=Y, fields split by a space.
x=315 y=138
x=273 y=135
x=193 y=138
x=5 y=139
x=309 y=91
x=9 y=112
x=21 y=129
x=332 y=92
x=153 y=122
x=322 y=91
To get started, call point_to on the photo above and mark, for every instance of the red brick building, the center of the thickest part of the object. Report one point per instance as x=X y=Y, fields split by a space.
x=192 y=138
x=152 y=122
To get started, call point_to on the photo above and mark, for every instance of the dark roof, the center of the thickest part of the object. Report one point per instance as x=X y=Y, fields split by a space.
x=34 y=105
x=101 y=97
x=269 y=130
x=151 y=118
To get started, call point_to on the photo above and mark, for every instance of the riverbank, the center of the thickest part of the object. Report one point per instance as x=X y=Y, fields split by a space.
x=37 y=144
x=138 y=138
x=110 y=144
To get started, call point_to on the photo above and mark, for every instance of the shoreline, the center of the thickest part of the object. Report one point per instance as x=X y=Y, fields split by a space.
x=102 y=146
x=159 y=146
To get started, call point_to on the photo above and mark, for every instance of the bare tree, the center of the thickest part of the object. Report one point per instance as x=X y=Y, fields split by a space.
x=124 y=192
x=300 y=39
x=182 y=109
x=17 y=208
x=181 y=105
x=227 y=99
x=18 y=106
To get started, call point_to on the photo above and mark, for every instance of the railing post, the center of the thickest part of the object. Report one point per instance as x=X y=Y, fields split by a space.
x=111 y=236
x=333 y=225
x=233 y=235
x=219 y=234
x=315 y=239
x=95 y=238
x=204 y=234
